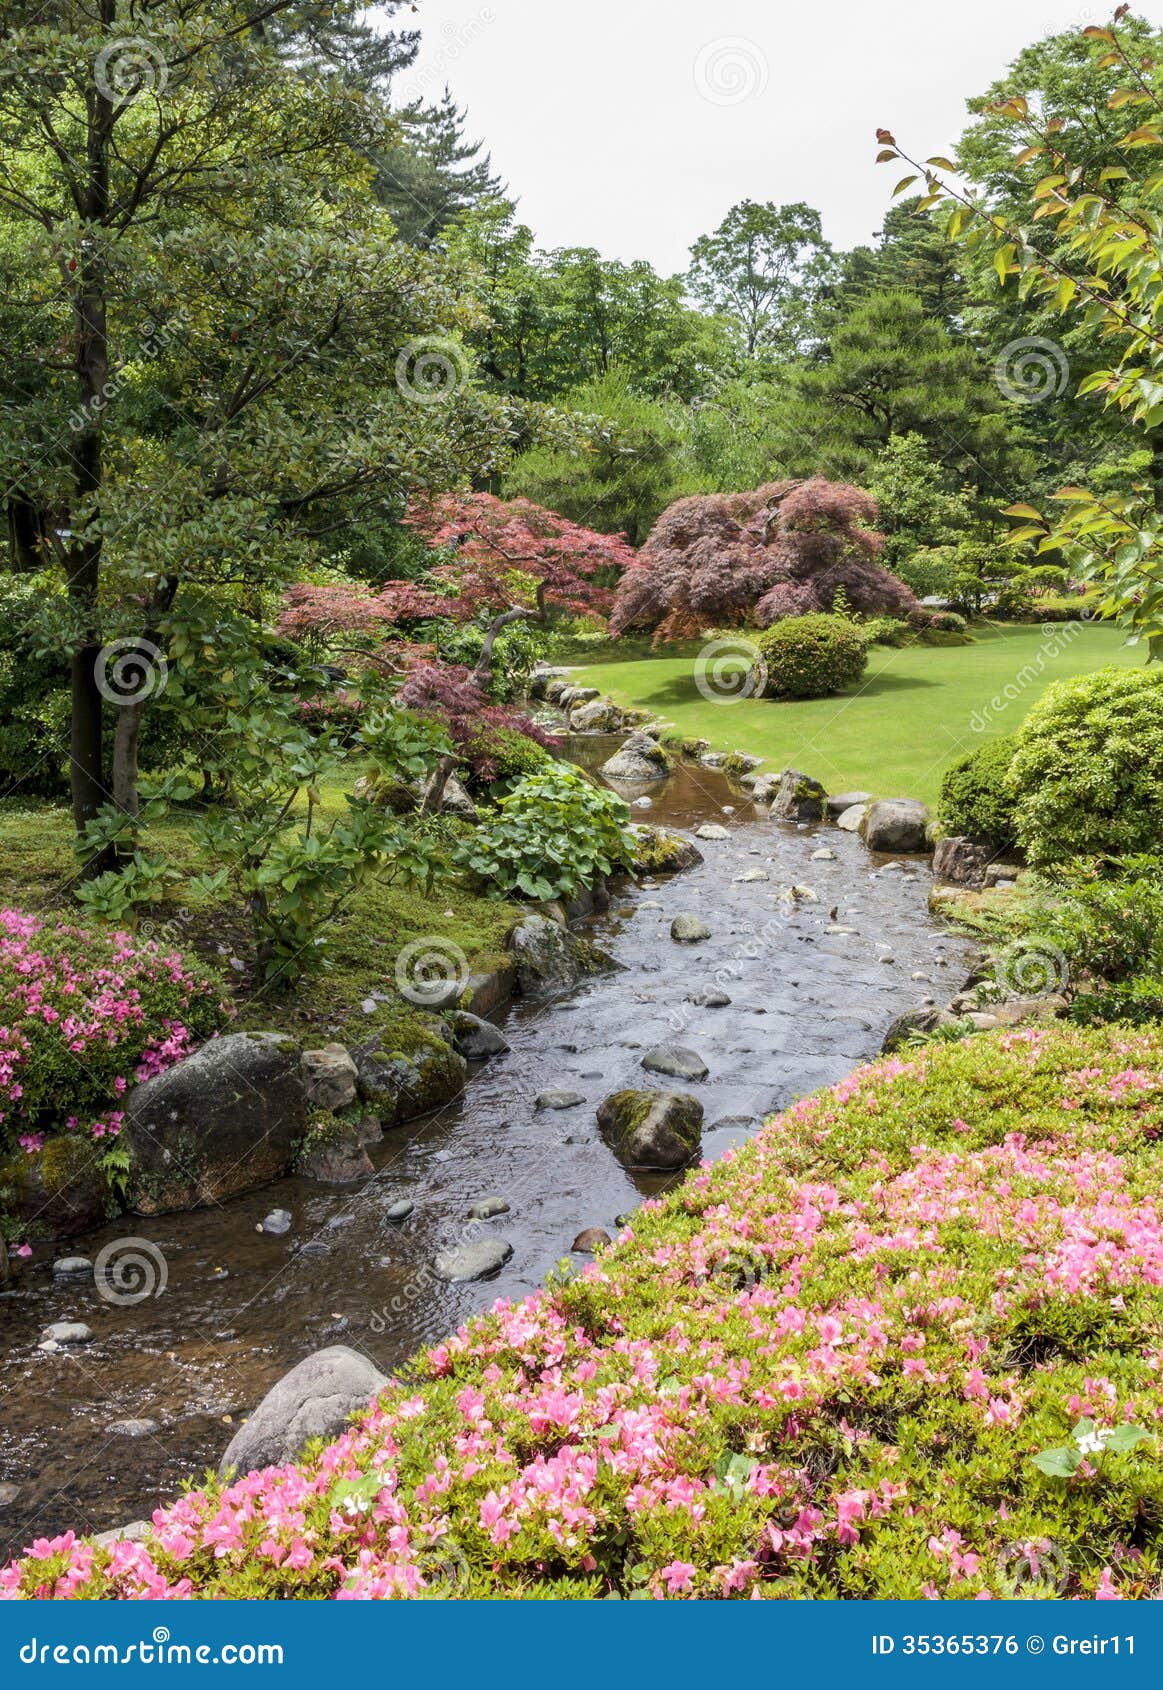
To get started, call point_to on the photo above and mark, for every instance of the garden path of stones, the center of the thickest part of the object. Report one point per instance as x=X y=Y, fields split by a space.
x=812 y=981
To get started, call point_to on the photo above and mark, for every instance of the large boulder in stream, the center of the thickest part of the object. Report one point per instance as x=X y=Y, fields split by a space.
x=550 y=959
x=59 y=1190
x=799 y=798
x=314 y=1400
x=225 y=1120
x=639 y=760
x=895 y=824
x=652 y=1129
x=400 y=1085
x=659 y=850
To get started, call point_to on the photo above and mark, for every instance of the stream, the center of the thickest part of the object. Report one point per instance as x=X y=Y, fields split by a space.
x=241 y=1307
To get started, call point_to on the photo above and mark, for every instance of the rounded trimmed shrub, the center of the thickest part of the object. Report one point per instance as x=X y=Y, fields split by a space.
x=812 y=656
x=1087 y=775
x=976 y=798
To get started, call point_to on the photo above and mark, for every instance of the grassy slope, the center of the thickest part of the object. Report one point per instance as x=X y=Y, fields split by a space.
x=819 y=1368
x=913 y=712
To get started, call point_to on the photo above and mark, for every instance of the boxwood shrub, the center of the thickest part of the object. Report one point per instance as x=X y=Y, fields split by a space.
x=812 y=656
x=1087 y=772
x=976 y=798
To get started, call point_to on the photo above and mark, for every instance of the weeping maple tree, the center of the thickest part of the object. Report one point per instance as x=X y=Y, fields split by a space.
x=786 y=549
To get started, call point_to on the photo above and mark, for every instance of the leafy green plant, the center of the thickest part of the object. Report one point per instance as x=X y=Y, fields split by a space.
x=812 y=656
x=1090 y=1440
x=1108 y=928
x=555 y=832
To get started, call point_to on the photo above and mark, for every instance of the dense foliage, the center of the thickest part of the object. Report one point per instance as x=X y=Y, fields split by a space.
x=833 y=1364
x=554 y=832
x=812 y=656
x=1108 y=928
x=1087 y=775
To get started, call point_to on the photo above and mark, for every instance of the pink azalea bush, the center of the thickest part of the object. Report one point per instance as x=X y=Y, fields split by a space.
x=84 y=1013
x=821 y=1368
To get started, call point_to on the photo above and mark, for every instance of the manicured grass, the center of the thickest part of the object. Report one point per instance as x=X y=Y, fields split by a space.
x=915 y=710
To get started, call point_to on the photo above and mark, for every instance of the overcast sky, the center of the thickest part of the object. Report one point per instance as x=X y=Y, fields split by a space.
x=633 y=125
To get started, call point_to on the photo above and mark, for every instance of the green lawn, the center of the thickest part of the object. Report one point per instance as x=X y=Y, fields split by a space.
x=914 y=711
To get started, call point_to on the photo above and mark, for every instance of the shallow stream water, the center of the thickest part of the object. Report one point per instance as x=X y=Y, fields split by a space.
x=811 y=996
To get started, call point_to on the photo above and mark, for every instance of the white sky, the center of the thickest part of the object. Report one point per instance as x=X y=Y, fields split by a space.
x=599 y=119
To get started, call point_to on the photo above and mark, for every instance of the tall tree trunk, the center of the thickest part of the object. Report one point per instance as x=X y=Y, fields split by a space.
x=84 y=559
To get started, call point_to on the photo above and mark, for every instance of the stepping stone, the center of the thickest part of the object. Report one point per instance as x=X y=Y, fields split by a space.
x=63 y=1332
x=72 y=1267
x=689 y=929
x=712 y=830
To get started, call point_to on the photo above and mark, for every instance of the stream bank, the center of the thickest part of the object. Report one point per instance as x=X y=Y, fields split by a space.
x=811 y=996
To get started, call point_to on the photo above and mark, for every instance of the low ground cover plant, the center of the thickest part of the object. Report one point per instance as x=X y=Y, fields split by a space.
x=849 y=1360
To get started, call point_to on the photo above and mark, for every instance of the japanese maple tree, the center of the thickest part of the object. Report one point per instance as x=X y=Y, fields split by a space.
x=785 y=549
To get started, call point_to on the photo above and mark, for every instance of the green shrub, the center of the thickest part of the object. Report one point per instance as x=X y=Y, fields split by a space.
x=1087 y=774
x=507 y=755
x=555 y=832
x=885 y=630
x=812 y=656
x=975 y=798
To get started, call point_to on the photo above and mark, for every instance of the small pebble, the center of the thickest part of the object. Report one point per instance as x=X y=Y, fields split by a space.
x=276 y=1223
x=72 y=1267
x=399 y=1211
x=133 y=1428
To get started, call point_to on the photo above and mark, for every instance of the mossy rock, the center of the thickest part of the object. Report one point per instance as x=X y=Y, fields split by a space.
x=403 y=1083
x=652 y=1129
x=659 y=851
x=58 y=1191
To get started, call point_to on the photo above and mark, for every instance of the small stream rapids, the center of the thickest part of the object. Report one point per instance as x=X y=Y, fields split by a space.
x=811 y=997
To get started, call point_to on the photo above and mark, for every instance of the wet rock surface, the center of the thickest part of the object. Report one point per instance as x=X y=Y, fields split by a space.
x=241 y=1307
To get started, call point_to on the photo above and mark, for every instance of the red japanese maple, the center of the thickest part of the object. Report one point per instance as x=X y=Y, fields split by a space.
x=785 y=549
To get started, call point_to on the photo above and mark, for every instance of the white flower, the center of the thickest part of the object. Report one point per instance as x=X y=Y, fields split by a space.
x=1093 y=1443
